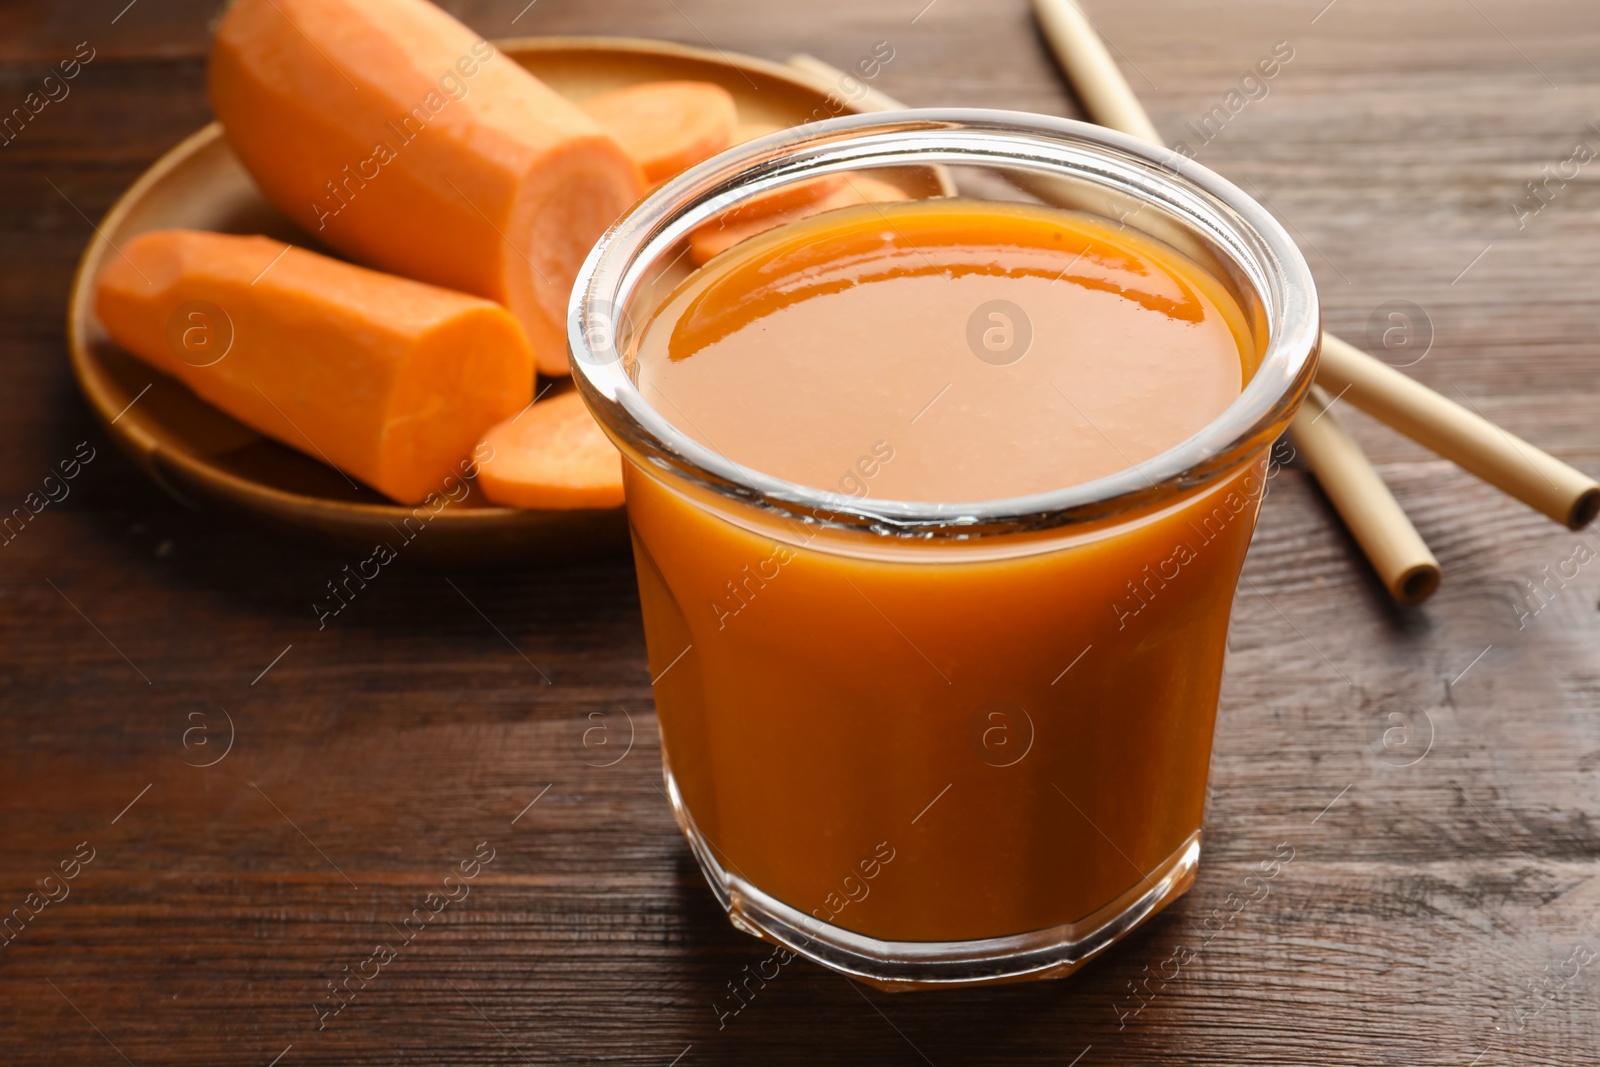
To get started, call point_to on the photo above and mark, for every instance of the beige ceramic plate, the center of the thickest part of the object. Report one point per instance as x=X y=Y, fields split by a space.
x=202 y=456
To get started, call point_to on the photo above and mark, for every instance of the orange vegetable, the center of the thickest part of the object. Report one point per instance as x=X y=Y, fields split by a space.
x=551 y=455
x=390 y=380
x=799 y=201
x=667 y=126
x=398 y=136
x=790 y=198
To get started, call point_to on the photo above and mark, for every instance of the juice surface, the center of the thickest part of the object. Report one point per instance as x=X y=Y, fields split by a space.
x=995 y=350
x=975 y=745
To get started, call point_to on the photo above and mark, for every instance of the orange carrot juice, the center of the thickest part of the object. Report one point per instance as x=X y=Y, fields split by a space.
x=901 y=739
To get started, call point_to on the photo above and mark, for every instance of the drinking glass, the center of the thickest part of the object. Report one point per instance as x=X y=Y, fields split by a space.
x=934 y=744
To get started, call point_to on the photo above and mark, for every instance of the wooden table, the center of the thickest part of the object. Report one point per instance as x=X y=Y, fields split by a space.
x=1440 y=905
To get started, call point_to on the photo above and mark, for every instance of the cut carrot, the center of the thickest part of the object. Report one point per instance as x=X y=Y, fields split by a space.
x=762 y=213
x=399 y=137
x=387 y=379
x=666 y=126
x=552 y=455
x=789 y=198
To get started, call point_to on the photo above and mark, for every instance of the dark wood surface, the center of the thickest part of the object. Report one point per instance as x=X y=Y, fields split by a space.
x=1440 y=911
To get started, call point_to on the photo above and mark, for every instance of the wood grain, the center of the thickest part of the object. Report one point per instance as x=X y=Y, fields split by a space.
x=1424 y=905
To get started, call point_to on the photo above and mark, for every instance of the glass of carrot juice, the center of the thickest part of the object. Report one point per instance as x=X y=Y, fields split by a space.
x=944 y=435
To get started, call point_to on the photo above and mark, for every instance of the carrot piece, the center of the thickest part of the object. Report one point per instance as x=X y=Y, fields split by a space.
x=552 y=455
x=387 y=379
x=763 y=213
x=666 y=126
x=782 y=201
x=399 y=137
x=788 y=198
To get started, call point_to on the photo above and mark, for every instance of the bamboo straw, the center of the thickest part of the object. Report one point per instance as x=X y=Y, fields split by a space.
x=1474 y=443
x=1500 y=458
x=1369 y=509
x=1393 y=546
x=1094 y=74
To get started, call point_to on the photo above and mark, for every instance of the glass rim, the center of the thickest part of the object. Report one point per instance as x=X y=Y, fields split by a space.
x=1239 y=228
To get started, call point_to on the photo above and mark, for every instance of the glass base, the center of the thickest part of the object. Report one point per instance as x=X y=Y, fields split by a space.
x=897 y=966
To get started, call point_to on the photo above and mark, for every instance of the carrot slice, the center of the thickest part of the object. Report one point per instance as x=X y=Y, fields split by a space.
x=666 y=126
x=399 y=137
x=387 y=379
x=762 y=214
x=782 y=201
x=788 y=198
x=551 y=455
